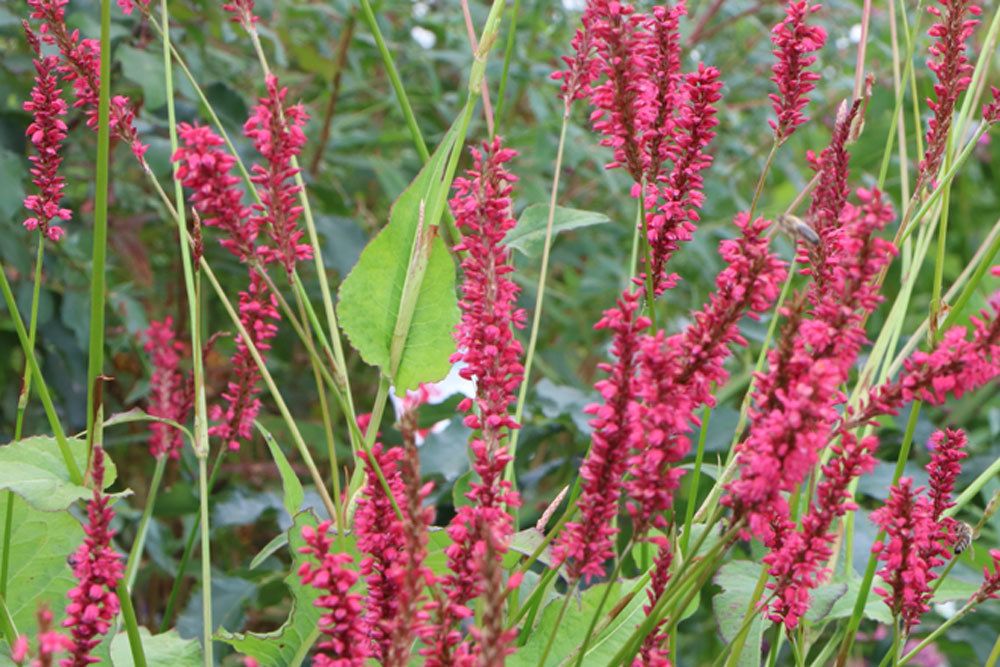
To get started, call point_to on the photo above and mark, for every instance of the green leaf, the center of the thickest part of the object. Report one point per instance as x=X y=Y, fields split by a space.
x=34 y=469
x=627 y=612
x=527 y=541
x=39 y=574
x=738 y=580
x=529 y=234
x=293 y=496
x=288 y=645
x=371 y=297
x=146 y=71
x=166 y=650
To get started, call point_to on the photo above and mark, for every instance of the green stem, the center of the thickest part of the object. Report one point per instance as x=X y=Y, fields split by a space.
x=937 y=632
x=135 y=555
x=43 y=390
x=95 y=355
x=759 y=188
x=735 y=648
x=131 y=625
x=206 y=564
x=559 y=617
x=536 y=318
x=7 y=623
x=192 y=538
x=859 y=603
x=994 y=654
x=22 y=406
x=596 y=616
x=695 y=479
x=508 y=56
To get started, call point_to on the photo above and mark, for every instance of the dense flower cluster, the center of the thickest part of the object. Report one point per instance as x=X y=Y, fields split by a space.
x=259 y=315
x=46 y=134
x=81 y=65
x=954 y=366
x=794 y=409
x=794 y=40
x=677 y=374
x=98 y=568
x=380 y=537
x=589 y=542
x=797 y=557
x=49 y=643
x=206 y=169
x=832 y=165
x=947 y=451
x=276 y=131
x=491 y=357
x=674 y=198
x=170 y=392
x=344 y=642
x=915 y=546
x=953 y=71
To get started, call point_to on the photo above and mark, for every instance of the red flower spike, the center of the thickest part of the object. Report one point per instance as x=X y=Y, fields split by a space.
x=914 y=548
x=794 y=402
x=794 y=40
x=170 y=393
x=259 y=315
x=589 y=542
x=953 y=72
x=798 y=556
x=206 y=169
x=98 y=568
x=672 y=222
x=242 y=12
x=49 y=643
x=655 y=649
x=46 y=133
x=81 y=65
x=990 y=587
x=677 y=373
x=380 y=534
x=276 y=131
x=947 y=451
x=991 y=111
x=344 y=641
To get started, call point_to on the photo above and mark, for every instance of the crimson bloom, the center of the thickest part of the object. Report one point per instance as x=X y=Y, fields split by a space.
x=170 y=394
x=98 y=568
x=990 y=587
x=344 y=641
x=794 y=40
x=914 y=548
x=46 y=134
x=276 y=131
x=953 y=72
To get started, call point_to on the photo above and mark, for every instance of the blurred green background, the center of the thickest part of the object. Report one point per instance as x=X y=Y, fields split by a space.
x=358 y=158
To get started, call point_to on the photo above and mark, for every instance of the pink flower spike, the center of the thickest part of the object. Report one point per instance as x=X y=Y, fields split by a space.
x=259 y=315
x=276 y=131
x=950 y=64
x=344 y=642
x=171 y=395
x=46 y=133
x=380 y=537
x=98 y=568
x=206 y=169
x=947 y=451
x=589 y=542
x=914 y=548
x=991 y=111
x=242 y=13
x=793 y=41
x=990 y=587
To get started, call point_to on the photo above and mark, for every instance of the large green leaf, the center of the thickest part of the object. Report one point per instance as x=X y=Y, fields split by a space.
x=288 y=645
x=34 y=469
x=738 y=580
x=39 y=574
x=165 y=650
x=627 y=614
x=372 y=294
x=529 y=234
